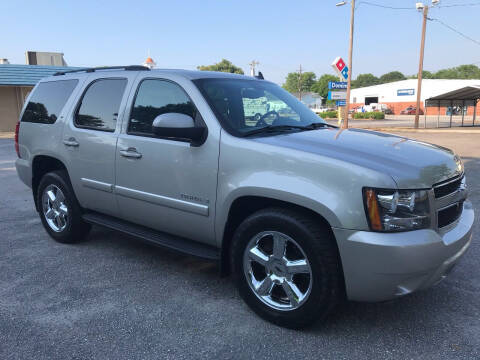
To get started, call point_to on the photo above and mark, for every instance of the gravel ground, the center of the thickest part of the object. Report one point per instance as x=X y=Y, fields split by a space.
x=114 y=297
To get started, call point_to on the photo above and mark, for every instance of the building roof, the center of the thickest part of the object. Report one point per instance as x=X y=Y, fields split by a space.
x=465 y=93
x=27 y=75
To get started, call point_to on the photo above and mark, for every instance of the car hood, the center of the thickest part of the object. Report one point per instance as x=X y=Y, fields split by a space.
x=411 y=163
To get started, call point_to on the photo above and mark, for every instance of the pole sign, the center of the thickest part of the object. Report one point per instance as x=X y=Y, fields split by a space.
x=337 y=95
x=341 y=102
x=338 y=64
x=340 y=67
x=337 y=85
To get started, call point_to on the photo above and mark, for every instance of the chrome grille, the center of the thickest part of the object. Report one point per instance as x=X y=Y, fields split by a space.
x=448 y=187
x=449 y=215
x=449 y=198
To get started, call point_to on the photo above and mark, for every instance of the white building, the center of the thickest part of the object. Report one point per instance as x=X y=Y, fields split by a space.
x=44 y=58
x=399 y=95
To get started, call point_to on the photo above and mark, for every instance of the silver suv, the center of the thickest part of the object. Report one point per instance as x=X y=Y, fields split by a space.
x=302 y=213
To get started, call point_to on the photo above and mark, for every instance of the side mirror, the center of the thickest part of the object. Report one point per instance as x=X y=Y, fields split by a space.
x=178 y=126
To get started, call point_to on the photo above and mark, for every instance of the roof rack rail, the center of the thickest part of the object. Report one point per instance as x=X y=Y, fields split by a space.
x=93 y=69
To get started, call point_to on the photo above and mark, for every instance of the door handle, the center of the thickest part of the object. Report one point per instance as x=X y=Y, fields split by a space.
x=71 y=142
x=131 y=152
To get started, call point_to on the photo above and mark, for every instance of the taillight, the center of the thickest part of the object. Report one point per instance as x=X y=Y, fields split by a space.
x=17 y=148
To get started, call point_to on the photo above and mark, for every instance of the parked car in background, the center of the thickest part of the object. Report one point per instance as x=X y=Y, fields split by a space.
x=354 y=109
x=319 y=110
x=374 y=107
x=411 y=110
x=302 y=213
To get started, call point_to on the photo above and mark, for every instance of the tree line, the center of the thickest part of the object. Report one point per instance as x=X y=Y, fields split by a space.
x=308 y=81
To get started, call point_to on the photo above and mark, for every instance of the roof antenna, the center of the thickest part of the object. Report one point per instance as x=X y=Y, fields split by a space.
x=259 y=76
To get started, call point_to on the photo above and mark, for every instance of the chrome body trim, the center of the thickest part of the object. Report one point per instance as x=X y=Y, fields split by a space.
x=162 y=200
x=97 y=185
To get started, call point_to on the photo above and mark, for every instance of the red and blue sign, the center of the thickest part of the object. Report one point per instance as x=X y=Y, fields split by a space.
x=340 y=67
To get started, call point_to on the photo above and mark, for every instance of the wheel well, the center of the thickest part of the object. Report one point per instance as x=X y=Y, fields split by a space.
x=243 y=207
x=40 y=166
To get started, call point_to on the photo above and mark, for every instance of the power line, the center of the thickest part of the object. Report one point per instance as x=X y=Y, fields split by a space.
x=456 y=31
x=385 y=6
x=412 y=8
x=458 y=5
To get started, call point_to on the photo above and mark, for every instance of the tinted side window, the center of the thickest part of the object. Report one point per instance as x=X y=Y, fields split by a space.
x=156 y=97
x=48 y=100
x=100 y=104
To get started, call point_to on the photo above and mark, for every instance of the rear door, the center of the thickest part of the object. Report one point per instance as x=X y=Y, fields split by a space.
x=90 y=139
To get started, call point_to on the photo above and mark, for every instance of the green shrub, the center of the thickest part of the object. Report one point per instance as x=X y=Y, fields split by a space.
x=328 y=115
x=376 y=115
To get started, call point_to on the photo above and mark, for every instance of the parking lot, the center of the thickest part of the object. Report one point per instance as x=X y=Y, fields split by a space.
x=407 y=121
x=114 y=297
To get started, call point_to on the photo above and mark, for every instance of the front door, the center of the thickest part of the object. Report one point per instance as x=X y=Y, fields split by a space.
x=90 y=139
x=166 y=184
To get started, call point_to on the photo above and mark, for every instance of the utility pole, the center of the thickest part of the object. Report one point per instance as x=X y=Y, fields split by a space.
x=350 y=53
x=300 y=82
x=420 y=66
x=253 y=64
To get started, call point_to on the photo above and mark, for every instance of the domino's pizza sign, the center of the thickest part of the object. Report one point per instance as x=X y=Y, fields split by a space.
x=340 y=67
x=337 y=85
x=339 y=63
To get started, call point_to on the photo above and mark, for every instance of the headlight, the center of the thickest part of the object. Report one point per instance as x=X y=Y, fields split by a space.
x=396 y=210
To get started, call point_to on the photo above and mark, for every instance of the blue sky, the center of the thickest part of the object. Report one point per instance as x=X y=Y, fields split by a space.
x=280 y=34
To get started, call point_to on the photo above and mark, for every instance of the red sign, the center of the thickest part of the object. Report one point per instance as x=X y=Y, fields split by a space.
x=339 y=63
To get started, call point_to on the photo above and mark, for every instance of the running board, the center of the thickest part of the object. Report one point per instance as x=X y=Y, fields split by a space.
x=154 y=237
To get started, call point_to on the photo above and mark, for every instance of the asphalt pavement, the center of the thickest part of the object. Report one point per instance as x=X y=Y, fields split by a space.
x=407 y=121
x=113 y=297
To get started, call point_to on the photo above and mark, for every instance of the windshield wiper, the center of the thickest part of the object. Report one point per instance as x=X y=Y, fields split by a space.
x=276 y=128
x=319 y=125
x=279 y=128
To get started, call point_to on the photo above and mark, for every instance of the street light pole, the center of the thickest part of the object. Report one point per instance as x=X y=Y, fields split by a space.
x=350 y=52
x=420 y=66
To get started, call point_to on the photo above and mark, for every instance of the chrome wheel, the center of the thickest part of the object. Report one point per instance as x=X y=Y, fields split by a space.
x=277 y=270
x=54 y=208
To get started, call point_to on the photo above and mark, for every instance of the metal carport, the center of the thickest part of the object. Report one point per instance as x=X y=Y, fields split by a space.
x=466 y=96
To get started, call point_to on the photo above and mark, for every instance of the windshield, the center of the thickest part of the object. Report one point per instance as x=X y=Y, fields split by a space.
x=244 y=106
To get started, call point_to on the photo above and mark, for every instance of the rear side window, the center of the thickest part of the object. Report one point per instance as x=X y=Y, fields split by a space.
x=156 y=97
x=100 y=103
x=48 y=100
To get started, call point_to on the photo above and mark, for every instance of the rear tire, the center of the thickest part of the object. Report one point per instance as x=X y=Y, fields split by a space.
x=59 y=211
x=310 y=254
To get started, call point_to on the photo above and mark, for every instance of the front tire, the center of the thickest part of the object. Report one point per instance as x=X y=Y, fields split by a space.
x=286 y=267
x=59 y=210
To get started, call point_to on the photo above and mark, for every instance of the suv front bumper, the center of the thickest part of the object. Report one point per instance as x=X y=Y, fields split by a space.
x=381 y=266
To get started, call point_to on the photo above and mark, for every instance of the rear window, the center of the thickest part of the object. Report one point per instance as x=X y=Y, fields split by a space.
x=48 y=100
x=100 y=104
